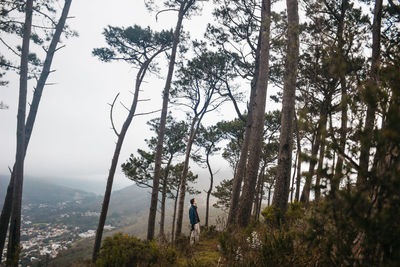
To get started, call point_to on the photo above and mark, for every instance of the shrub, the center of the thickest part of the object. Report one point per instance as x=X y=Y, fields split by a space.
x=240 y=249
x=208 y=232
x=124 y=250
x=294 y=212
x=182 y=244
x=271 y=215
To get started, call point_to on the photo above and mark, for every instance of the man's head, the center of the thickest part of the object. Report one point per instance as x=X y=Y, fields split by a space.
x=193 y=202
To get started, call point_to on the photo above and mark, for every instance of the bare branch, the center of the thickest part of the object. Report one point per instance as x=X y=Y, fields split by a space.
x=111 y=115
x=147 y=113
x=143 y=100
x=165 y=10
x=9 y=47
x=338 y=150
x=122 y=104
x=59 y=48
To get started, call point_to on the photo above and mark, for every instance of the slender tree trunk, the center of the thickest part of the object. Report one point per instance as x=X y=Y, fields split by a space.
x=114 y=162
x=210 y=188
x=185 y=5
x=260 y=182
x=371 y=91
x=299 y=161
x=259 y=202
x=269 y=196
x=281 y=193
x=256 y=196
x=6 y=211
x=321 y=157
x=338 y=174
x=174 y=216
x=14 y=248
x=294 y=176
x=257 y=126
x=244 y=151
x=342 y=145
x=164 y=197
x=193 y=130
x=305 y=194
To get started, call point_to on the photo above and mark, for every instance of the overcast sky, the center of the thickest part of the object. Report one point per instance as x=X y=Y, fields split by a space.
x=72 y=136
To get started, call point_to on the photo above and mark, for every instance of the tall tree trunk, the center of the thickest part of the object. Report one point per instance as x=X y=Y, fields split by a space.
x=305 y=194
x=6 y=211
x=164 y=197
x=210 y=188
x=14 y=248
x=244 y=150
x=114 y=162
x=257 y=126
x=281 y=193
x=299 y=161
x=321 y=155
x=371 y=94
x=184 y=7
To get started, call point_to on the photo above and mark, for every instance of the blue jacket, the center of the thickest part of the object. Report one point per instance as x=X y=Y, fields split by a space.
x=193 y=216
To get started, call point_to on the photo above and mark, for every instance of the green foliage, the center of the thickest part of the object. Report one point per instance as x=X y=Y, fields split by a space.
x=45 y=18
x=124 y=250
x=223 y=193
x=295 y=211
x=135 y=45
x=272 y=215
x=200 y=83
x=278 y=249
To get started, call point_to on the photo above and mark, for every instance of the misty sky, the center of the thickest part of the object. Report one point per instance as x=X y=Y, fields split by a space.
x=72 y=137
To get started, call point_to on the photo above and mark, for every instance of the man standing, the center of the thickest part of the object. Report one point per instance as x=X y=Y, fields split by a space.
x=195 y=222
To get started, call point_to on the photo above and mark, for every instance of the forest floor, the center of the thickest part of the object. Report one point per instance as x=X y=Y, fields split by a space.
x=204 y=253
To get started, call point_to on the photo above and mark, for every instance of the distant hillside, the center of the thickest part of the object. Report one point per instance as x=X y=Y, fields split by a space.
x=38 y=191
x=125 y=202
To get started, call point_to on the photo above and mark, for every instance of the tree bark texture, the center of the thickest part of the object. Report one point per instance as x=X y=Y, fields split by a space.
x=6 y=211
x=257 y=126
x=13 y=249
x=281 y=194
